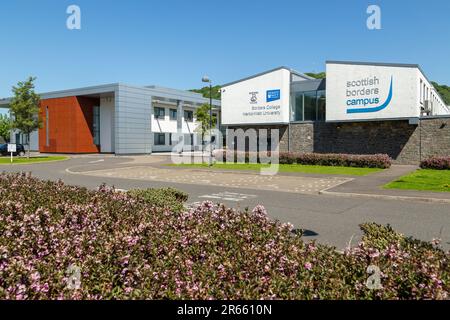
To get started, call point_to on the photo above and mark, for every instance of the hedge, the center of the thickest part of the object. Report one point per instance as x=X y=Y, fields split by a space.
x=438 y=163
x=163 y=198
x=126 y=248
x=382 y=161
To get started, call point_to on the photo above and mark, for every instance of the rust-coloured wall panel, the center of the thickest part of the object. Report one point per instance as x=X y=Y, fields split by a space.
x=69 y=125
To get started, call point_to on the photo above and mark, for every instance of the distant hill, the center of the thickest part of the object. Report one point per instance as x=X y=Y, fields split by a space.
x=216 y=92
x=444 y=91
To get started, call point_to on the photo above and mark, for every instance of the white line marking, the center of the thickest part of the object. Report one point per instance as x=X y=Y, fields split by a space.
x=97 y=161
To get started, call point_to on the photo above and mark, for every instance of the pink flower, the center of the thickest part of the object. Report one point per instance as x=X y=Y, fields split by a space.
x=308 y=266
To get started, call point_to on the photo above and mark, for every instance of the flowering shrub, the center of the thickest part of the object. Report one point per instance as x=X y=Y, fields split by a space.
x=164 y=198
x=438 y=163
x=125 y=248
x=382 y=161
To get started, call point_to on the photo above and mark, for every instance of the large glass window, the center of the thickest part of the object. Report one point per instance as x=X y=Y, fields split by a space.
x=309 y=106
x=298 y=107
x=321 y=105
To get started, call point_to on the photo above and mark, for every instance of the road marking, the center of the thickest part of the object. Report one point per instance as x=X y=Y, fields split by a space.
x=97 y=161
x=229 y=196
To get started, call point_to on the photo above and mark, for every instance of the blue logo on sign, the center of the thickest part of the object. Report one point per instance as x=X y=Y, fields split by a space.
x=273 y=95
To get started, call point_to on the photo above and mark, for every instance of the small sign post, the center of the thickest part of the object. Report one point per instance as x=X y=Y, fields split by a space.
x=12 y=148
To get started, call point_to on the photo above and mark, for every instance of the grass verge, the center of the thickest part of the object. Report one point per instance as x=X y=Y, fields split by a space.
x=423 y=180
x=294 y=168
x=24 y=160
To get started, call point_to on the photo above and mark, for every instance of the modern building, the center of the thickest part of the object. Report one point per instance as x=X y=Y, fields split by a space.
x=360 y=108
x=116 y=118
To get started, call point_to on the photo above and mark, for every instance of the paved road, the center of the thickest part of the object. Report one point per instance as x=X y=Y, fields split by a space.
x=329 y=219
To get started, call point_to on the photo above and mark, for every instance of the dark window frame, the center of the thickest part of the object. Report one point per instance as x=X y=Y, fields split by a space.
x=173 y=114
x=157 y=139
x=159 y=113
x=189 y=118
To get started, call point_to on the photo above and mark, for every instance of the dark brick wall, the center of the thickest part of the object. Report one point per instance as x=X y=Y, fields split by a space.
x=403 y=142
x=435 y=137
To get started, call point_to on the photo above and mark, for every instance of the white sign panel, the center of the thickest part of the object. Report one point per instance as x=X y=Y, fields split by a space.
x=370 y=92
x=260 y=100
x=12 y=148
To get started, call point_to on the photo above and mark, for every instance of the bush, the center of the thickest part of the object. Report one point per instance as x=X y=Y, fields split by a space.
x=164 y=198
x=382 y=161
x=128 y=249
x=438 y=163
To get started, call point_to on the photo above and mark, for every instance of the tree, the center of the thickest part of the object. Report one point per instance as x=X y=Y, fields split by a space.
x=5 y=127
x=25 y=108
x=202 y=115
x=443 y=90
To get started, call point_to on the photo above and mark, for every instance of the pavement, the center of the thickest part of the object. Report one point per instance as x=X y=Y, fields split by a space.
x=327 y=207
x=372 y=186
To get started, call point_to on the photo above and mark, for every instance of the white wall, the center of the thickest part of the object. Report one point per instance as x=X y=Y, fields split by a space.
x=168 y=126
x=426 y=91
x=107 y=124
x=342 y=79
x=239 y=108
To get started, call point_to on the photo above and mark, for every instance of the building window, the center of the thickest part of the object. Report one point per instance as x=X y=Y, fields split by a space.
x=173 y=114
x=47 y=122
x=188 y=115
x=160 y=139
x=159 y=113
x=96 y=125
x=421 y=88
x=309 y=106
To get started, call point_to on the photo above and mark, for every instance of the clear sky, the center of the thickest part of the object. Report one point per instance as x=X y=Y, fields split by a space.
x=173 y=43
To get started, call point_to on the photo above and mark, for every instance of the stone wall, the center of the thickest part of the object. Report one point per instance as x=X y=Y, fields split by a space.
x=405 y=143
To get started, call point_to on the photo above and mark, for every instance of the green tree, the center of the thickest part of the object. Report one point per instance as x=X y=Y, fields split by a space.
x=444 y=91
x=5 y=127
x=202 y=115
x=25 y=108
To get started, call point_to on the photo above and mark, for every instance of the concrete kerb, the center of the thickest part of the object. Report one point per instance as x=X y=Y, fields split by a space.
x=383 y=196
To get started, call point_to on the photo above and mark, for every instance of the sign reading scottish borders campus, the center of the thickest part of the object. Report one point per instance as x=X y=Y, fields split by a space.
x=262 y=99
x=357 y=91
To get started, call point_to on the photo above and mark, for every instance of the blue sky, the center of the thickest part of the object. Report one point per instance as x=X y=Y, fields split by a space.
x=173 y=43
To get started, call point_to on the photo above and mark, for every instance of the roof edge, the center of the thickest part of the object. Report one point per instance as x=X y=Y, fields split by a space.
x=292 y=71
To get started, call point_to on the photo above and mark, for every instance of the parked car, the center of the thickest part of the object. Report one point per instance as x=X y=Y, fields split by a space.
x=20 y=150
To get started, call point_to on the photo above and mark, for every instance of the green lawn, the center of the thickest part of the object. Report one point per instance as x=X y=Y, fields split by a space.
x=425 y=179
x=24 y=160
x=287 y=168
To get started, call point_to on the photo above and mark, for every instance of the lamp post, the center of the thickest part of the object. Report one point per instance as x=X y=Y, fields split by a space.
x=206 y=79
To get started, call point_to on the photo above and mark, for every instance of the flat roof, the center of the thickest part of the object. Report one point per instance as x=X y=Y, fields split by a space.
x=156 y=91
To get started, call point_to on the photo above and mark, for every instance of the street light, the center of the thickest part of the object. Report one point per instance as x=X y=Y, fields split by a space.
x=206 y=79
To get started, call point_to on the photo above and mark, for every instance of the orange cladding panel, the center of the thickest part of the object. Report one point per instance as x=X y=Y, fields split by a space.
x=69 y=125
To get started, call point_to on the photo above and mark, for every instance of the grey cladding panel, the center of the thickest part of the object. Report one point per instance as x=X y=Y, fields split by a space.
x=133 y=121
